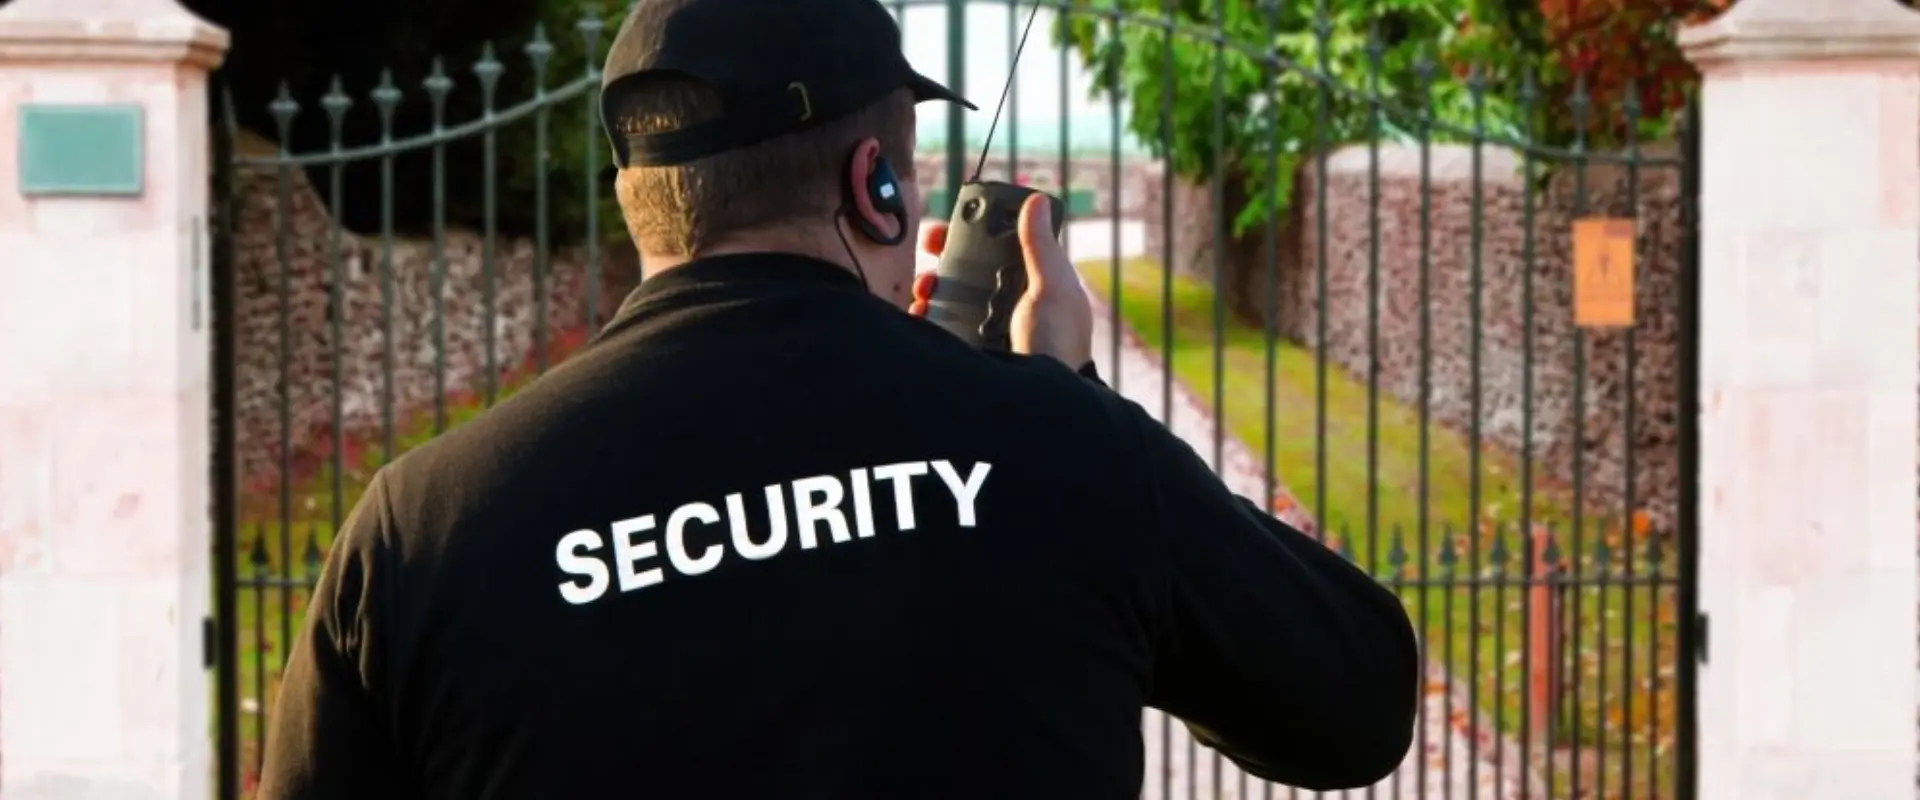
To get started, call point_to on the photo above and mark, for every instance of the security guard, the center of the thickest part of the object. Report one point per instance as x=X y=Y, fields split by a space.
x=773 y=536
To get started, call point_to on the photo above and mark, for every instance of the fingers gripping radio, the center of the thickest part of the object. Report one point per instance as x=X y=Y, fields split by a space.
x=982 y=271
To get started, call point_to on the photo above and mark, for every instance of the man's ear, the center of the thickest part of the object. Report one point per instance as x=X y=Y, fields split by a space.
x=860 y=170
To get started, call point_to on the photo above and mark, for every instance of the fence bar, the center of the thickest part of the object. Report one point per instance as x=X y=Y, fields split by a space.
x=1687 y=677
x=1579 y=107
x=225 y=441
x=956 y=116
x=1530 y=704
x=1220 y=246
x=438 y=85
x=1322 y=34
x=1166 y=315
x=539 y=53
x=1114 y=67
x=1376 y=121
x=487 y=72
x=590 y=28
x=1476 y=326
x=386 y=98
x=335 y=104
x=283 y=109
x=1064 y=175
x=1424 y=493
x=1012 y=137
x=1630 y=525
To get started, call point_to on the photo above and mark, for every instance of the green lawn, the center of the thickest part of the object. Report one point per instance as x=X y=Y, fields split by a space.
x=1461 y=572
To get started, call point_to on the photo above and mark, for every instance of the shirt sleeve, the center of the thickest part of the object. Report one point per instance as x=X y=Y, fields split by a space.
x=326 y=736
x=1273 y=649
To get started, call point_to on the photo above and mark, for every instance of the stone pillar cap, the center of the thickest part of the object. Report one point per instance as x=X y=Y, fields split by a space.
x=97 y=31
x=1801 y=30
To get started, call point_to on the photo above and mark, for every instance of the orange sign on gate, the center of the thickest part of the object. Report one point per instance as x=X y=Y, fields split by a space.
x=1603 y=272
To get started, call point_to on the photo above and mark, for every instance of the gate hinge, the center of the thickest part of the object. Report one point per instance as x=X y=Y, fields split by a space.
x=1700 y=636
x=209 y=642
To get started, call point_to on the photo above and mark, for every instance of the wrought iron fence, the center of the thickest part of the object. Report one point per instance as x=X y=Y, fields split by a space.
x=1355 y=284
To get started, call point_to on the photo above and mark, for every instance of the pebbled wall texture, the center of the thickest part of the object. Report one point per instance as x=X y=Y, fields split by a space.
x=387 y=321
x=1619 y=367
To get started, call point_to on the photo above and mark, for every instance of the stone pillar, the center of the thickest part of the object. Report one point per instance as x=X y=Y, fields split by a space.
x=1809 y=398
x=104 y=410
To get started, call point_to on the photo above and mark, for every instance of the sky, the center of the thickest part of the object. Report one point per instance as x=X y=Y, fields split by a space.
x=1035 y=107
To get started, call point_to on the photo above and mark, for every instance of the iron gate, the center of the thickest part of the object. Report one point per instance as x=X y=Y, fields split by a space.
x=1359 y=288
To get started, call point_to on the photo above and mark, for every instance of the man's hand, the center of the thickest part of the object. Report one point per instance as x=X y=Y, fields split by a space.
x=1054 y=318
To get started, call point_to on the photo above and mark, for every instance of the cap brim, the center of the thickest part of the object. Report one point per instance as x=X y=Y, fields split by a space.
x=925 y=88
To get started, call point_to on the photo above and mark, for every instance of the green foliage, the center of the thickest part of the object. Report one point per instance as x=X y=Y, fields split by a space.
x=1286 y=79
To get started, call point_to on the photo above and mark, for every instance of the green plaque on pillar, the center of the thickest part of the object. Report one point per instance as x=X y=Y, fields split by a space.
x=81 y=150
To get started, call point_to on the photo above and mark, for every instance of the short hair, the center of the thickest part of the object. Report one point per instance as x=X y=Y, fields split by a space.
x=791 y=179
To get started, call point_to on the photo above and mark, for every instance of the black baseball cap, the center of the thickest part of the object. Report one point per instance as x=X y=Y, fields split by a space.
x=779 y=66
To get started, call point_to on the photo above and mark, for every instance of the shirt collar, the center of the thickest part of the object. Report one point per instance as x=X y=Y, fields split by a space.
x=769 y=270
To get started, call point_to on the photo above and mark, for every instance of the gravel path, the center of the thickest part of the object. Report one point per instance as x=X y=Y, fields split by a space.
x=1178 y=769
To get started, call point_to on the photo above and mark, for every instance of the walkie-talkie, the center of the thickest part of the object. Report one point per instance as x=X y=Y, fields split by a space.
x=981 y=273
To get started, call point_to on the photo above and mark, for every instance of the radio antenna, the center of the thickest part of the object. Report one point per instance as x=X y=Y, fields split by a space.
x=1013 y=71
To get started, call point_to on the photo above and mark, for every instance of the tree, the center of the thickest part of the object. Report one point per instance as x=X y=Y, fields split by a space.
x=1253 y=90
x=1595 y=55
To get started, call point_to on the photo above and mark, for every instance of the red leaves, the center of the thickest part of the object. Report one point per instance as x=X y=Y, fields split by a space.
x=1617 y=44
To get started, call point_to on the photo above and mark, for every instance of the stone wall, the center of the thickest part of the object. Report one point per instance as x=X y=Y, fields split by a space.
x=1561 y=432
x=1557 y=435
x=364 y=343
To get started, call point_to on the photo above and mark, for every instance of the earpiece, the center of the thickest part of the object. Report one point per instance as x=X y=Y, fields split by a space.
x=883 y=190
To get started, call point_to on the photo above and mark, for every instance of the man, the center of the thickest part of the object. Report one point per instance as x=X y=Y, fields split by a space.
x=771 y=536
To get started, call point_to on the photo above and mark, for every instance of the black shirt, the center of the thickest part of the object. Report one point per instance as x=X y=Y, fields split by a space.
x=770 y=537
